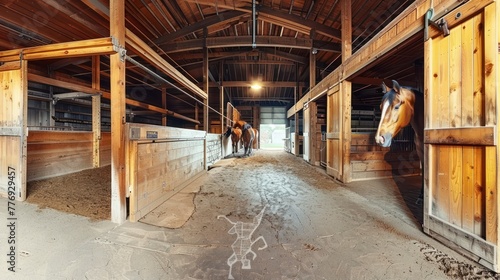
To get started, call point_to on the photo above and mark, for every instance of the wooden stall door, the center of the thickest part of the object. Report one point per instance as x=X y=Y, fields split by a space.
x=333 y=134
x=13 y=129
x=460 y=133
x=307 y=138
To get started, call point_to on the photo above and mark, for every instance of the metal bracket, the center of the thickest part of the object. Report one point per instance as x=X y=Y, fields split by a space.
x=123 y=54
x=441 y=24
x=119 y=49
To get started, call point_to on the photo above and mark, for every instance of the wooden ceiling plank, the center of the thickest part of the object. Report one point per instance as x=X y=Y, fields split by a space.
x=76 y=15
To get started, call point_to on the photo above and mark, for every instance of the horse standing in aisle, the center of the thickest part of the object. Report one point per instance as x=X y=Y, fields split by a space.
x=247 y=135
x=235 y=138
x=401 y=106
x=256 y=139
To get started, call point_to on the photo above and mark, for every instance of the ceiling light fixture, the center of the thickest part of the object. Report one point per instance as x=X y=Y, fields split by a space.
x=256 y=86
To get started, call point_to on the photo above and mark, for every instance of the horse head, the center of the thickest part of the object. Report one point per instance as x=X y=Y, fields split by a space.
x=397 y=108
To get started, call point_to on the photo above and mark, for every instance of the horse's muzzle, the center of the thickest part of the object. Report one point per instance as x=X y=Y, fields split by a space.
x=384 y=140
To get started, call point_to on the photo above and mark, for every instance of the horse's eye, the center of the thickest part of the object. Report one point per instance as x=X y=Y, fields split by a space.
x=397 y=106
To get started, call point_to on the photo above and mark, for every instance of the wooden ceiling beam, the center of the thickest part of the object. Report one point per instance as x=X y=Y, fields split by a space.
x=238 y=41
x=297 y=23
x=286 y=55
x=62 y=50
x=287 y=20
x=259 y=62
x=143 y=50
x=220 y=18
x=264 y=84
x=147 y=53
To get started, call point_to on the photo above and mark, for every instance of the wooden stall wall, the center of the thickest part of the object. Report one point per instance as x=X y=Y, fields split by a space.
x=160 y=162
x=461 y=157
x=13 y=129
x=218 y=146
x=333 y=133
x=371 y=161
x=56 y=153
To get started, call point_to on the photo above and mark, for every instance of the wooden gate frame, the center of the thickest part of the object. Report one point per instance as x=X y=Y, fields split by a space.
x=482 y=249
x=13 y=129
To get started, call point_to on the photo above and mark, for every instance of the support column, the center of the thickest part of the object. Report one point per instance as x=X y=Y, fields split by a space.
x=222 y=119
x=96 y=111
x=206 y=125
x=164 y=103
x=117 y=66
x=314 y=158
x=196 y=114
x=13 y=131
x=345 y=91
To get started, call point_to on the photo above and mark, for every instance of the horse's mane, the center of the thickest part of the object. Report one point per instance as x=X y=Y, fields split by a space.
x=391 y=94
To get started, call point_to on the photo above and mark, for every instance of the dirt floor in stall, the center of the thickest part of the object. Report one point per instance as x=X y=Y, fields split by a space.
x=86 y=193
x=312 y=227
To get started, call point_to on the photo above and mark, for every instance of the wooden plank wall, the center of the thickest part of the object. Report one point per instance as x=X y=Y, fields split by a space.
x=370 y=161
x=461 y=204
x=56 y=153
x=13 y=116
x=161 y=161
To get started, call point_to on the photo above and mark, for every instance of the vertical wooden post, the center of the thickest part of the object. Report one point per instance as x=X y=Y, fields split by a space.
x=164 y=103
x=221 y=98
x=313 y=134
x=13 y=129
x=345 y=92
x=52 y=108
x=312 y=65
x=96 y=111
x=222 y=120
x=256 y=124
x=196 y=114
x=491 y=60
x=206 y=125
x=117 y=66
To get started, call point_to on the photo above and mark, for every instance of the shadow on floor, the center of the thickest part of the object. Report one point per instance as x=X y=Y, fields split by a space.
x=409 y=188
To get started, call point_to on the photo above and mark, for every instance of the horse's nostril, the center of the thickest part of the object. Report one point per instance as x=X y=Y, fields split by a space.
x=381 y=139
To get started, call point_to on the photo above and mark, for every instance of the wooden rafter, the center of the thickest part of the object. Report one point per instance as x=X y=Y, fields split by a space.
x=157 y=61
x=238 y=41
x=62 y=50
x=217 y=19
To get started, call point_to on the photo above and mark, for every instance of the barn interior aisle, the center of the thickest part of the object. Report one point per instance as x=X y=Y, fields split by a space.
x=290 y=218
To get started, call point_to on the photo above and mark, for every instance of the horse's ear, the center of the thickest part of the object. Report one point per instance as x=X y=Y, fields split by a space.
x=385 y=88
x=396 y=86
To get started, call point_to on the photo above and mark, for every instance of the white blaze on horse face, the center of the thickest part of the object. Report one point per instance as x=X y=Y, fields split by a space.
x=378 y=138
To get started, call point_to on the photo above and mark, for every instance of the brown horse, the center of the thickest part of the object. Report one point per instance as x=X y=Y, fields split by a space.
x=256 y=138
x=235 y=138
x=247 y=135
x=401 y=106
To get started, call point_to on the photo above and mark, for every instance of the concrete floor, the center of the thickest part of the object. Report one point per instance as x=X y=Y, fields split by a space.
x=314 y=228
